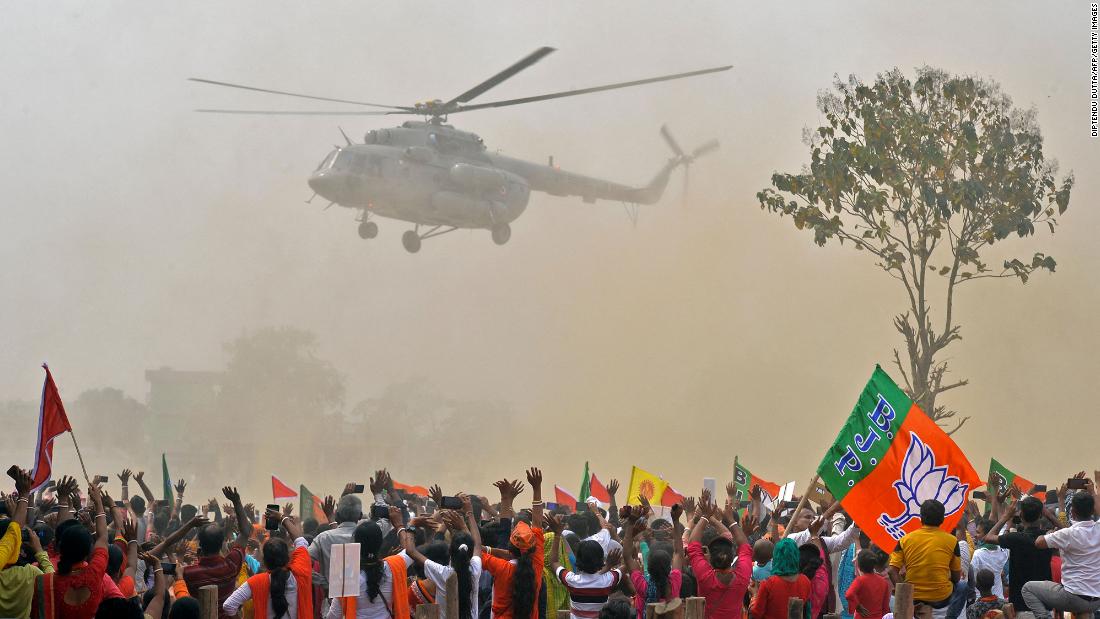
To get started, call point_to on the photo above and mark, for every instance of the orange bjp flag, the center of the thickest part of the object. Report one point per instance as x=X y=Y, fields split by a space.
x=889 y=458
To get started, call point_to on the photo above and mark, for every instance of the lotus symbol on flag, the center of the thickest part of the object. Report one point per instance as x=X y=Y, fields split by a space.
x=921 y=480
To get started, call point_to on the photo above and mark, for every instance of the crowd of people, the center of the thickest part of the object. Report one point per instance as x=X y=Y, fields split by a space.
x=68 y=552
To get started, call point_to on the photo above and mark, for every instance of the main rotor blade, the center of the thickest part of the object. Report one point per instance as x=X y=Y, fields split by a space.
x=299 y=113
x=480 y=89
x=584 y=91
x=672 y=143
x=704 y=149
x=293 y=94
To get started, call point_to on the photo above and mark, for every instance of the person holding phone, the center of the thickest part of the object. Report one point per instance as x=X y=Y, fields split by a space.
x=1079 y=547
x=1025 y=562
x=285 y=589
x=464 y=560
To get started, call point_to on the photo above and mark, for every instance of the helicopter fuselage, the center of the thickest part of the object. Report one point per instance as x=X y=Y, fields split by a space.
x=434 y=175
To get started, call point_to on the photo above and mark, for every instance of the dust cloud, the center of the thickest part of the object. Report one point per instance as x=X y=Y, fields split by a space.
x=139 y=234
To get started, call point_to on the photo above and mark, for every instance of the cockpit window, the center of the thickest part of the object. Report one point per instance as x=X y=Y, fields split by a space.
x=327 y=161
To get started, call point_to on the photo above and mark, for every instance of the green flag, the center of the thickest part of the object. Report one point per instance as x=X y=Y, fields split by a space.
x=309 y=504
x=168 y=495
x=585 y=487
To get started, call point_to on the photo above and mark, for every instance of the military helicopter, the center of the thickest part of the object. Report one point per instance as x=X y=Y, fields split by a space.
x=439 y=178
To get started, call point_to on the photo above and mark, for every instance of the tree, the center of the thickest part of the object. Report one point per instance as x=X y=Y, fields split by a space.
x=274 y=376
x=925 y=176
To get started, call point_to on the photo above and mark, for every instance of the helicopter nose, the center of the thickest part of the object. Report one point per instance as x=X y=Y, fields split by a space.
x=327 y=185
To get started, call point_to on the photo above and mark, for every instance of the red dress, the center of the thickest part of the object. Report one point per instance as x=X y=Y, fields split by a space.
x=772 y=596
x=83 y=576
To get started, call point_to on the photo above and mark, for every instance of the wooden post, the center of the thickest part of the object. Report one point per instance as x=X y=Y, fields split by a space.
x=794 y=608
x=903 y=601
x=694 y=608
x=650 y=612
x=830 y=617
x=564 y=614
x=208 y=602
x=452 y=597
x=427 y=611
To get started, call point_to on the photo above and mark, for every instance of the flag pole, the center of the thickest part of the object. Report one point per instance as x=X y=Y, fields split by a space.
x=80 y=457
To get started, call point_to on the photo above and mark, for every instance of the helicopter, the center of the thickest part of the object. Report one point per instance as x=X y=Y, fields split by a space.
x=441 y=179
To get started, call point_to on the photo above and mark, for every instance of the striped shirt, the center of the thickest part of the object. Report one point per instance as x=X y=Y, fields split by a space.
x=588 y=592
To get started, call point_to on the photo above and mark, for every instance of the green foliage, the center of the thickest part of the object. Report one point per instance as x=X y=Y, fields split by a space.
x=925 y=175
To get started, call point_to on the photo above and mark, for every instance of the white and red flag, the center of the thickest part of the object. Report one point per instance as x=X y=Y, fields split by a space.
x=52 y=422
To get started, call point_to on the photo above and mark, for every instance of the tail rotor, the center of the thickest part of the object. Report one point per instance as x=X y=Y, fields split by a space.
x=685 y=159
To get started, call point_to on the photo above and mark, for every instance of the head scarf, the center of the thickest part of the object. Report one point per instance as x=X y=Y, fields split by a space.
x=785 y=558
x=522 y=537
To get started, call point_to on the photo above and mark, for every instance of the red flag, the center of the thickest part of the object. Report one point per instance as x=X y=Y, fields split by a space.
x=52 y=422
x=417 y=490
x=561 y=497
x=280 y=491
x=671 y=497
x=598 y=490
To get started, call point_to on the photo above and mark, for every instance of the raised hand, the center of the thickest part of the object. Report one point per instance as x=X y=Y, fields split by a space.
x=23 y=482
x=96 y=496
x=467 y=503
x=231 y=493
x=349 y=488
x=677 y=511
x=731 y=490
x=124 y=477
x=704 y=498
x=614 y=559
x=646 y=509
x=689 y=505
x=534 y=477
x=612 y=487
x=552 y=522
x=129 y=529
x=435 y=493
x=181 y=485
x=749 y=523
x=329 y=507
x=380 y=482
x=66 y=487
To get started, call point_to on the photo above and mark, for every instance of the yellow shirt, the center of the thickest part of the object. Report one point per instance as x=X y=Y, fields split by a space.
x=10 y=543
x=929 y=555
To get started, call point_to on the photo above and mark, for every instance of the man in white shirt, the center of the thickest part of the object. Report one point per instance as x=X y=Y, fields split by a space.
x=990 y=556
x=1079 y=544
x=807 y=520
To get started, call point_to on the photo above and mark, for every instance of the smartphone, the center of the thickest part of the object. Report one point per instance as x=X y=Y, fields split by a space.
x=429 y=507
x=13 y=471
x=271 y=524
x=790 y=503
x=378 y=512
x=747 y=503
x=360 y=488
x=1076 y=484
x=451 y=502
x=100 y=479
x=120 y=504
x=978 y=494
x=169 y=569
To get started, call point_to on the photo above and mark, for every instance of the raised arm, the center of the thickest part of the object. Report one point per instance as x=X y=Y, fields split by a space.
x=244 y=523
x=178 y=534
x=509 y=490
x=100 y=517
x=23 y=483
x=65 y=489
x=534 y=477
x=156 y=605
x=124 y=477
x=139 y=477
x=613 y=510
x=630 y=556
x=677 y=538
x=475 y=530
x=554 y=523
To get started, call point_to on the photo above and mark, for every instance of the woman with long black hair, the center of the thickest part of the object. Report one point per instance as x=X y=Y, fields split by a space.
x=285 y=590
x=517 y=578
x=383 y=583
x=464 y=560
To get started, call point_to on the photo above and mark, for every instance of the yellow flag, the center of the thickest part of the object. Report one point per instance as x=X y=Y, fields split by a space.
x=645 y=484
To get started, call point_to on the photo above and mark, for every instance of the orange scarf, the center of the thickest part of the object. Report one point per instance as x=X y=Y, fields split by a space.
x=399 y=605
x=300 y=568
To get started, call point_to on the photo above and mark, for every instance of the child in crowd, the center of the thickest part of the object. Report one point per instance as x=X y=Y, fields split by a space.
x=869 y=594
x=988 y=604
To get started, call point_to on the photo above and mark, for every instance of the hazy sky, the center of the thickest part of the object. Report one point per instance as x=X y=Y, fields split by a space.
x=137 y=233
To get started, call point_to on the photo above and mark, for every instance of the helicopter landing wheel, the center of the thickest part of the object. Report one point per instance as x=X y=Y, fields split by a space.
x=501 y=234
x=368 y=230
x=411 y=241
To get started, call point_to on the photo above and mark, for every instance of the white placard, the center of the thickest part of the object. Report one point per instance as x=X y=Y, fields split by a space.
x=711 y=485
x=343 y=570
